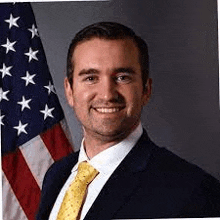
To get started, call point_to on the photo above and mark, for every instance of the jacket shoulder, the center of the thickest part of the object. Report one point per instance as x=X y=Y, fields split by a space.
x=168 y=186
x=199 y=190
x=61 y=168
x=54 y=179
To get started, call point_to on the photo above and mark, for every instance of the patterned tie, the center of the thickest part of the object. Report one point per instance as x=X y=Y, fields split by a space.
x=74 y=196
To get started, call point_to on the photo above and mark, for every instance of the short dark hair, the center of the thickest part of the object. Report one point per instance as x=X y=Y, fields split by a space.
x=109 y=31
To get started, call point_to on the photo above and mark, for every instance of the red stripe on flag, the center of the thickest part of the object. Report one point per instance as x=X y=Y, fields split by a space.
x=22 y=182
x=56 y=142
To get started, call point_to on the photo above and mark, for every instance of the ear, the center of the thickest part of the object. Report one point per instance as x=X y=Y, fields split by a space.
x=147 y=91
x=68 y=92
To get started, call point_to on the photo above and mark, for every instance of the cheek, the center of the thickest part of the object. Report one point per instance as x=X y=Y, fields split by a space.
x=134 y=99
x=133 y=94
x=82 y=97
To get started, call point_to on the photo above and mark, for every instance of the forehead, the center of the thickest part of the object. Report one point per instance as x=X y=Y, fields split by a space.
x=96 y=48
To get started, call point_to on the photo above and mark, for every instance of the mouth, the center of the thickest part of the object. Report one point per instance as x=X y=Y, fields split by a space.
x=108 y=110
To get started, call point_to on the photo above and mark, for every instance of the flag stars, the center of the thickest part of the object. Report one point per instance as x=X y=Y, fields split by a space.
x=32 y=54
x=5 y=70
x=47 y=112
x=9 y=46
x=33 y=31
x=28 y=78
x=24 y=103
x=50 y=88
x=1 y=117
x=3 y=95
x=21 y=128
x=12 y=21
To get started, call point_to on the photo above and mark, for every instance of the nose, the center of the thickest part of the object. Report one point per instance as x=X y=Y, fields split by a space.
x=108 y=90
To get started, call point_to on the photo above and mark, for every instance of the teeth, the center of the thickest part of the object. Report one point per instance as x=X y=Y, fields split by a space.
x=107 y=110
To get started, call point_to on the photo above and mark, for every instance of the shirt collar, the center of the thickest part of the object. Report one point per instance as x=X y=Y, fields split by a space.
x=107 y=160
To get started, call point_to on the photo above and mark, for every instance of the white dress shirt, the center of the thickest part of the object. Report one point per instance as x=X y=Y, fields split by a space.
x=105 y=162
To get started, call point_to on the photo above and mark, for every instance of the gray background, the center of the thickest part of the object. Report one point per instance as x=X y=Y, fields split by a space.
x=183 y=114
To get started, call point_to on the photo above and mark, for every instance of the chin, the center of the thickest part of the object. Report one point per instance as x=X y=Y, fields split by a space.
x=111 y=129
x=113 y=134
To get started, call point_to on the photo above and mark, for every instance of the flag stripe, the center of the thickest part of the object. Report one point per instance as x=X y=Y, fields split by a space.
x=37 y=157
x=10 y=201
x=66 y=131
x=24 y=193
x=56 y=142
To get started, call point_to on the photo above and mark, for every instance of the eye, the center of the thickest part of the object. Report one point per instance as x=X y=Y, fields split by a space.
x=123 y=78
x=91 y=79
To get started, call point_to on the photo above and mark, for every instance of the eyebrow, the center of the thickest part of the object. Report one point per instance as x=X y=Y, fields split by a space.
x=124 y=70
x=88 y=71
x=115 y=71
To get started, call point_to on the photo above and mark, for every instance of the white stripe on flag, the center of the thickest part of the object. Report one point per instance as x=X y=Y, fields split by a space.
x=37 y=157
x=10 y=201
x=66 y=130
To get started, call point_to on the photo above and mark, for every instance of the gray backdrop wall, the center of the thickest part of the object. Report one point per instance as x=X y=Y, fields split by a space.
x=183 y=114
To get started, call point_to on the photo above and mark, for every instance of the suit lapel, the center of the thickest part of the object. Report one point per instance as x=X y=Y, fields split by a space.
x=123 y=182
x=53 y=182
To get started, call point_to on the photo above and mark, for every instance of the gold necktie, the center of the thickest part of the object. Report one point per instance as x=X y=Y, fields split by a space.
x=73 y=198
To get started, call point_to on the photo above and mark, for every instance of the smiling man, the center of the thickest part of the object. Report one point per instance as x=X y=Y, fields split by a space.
x=107 y=92
x=127 y=175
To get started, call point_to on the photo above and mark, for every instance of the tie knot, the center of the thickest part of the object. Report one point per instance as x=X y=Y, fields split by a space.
x=86 y=172
x=73 y=199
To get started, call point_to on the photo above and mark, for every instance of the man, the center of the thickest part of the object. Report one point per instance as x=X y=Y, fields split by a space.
x=107 y=85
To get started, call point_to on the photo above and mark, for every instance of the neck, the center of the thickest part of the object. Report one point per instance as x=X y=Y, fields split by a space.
x=95 y=146
x=96 y=143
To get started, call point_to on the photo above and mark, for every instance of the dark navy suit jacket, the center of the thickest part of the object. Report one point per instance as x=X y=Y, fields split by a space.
x=151 y=182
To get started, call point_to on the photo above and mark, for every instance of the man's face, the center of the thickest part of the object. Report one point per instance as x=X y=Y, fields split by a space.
x=107 y=92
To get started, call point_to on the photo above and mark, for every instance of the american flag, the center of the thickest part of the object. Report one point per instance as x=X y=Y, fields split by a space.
x=33 y=130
